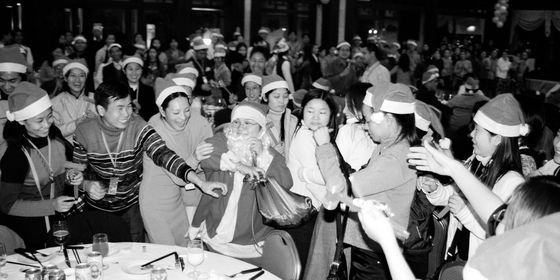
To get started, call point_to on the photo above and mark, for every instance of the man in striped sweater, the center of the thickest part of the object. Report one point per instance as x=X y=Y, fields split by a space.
x=112 y=146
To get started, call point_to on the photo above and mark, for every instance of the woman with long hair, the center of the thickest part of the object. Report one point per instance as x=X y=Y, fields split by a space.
x=495 y=161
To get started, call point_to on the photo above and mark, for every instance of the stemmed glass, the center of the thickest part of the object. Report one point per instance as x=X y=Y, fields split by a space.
x=100 y=244
x=60 y=233
x=3 y=259
x=195 y=255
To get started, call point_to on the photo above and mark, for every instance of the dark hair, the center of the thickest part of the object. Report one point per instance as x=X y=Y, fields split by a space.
x=239 y=45
x=404 y=62
x=153 y=39
x=325 y=96
x=174 y=95
x=535 y=198
x=260 y=49
x=534 y=110
x=354 y=98
x=506 y=158
x=408 y=127
x=110 y=90
x=379 y=53
x=282 y=125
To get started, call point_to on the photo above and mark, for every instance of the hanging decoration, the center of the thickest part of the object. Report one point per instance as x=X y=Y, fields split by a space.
x=500 y=13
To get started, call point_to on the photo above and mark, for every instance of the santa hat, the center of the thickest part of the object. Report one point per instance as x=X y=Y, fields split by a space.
x=397 y=45
x=322 y=84
x=220 y=53
x=424 y=116
x=252 y=111
x=264 y=30
x=165 y=88
x=390 y=98
x=114 y=45
x=140 y=46
x=358 y=54
x=252 y=78
x=220 y=47
x=272 y=82
x=357 y=37
x=11 y=60
x=79 y=38
x=412 y=42
x=282 y=46
x=60 y=60
x=181 y=80
x=79 y=63
x=132 y=59
x=429 y=76
x=27 y=101
x=198 y=44
x=98 y=26
x=186 y=68
x=432 y=69
x=503 y=116
x=343 y=44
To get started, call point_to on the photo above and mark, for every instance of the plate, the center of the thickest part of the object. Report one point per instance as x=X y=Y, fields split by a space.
x=133 y=267
x=42 y=259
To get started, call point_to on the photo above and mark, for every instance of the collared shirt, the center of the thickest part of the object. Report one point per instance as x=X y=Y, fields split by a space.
x=69 y=110
x=376 y=73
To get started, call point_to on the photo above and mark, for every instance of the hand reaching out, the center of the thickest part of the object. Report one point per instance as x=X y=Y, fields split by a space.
x=428 y=158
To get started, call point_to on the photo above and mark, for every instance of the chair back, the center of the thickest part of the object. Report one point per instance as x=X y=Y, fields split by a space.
x=10 y=239
x=439 y=241
x=84 y=225
x=452 y=271
x=280 y=256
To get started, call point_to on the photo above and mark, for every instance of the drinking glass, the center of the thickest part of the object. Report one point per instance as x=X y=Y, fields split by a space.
x=3 y=259
x=100 y=244
x=195 y=255
x=60 y=233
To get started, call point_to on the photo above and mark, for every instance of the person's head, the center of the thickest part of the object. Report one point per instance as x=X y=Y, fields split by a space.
x=252 y=85
x=524 y=55
x=58 y=65
x=113 y=104
x=389 y=112
x=115 y=52
x=494 y=53
x=471 y=84
x=483 y=54
x=156 y=43
x=532 y=200
x=12 y=69
x=219 y=58
x=305 y=38
x=132 y=67
x=463 y=55
x=248 y=120
x=275 y=93
x=447 y=53
x=404 y=62
x=425 y=48
x=263 y=33
x=79 y=43
x=257 y=60
x=319 y=110
x=430 y=80
x=138 y=38
x=152 y=54
x=372 y=53
x=344 y=50
x=17 y=34
x=505 y=54
x=188 y=70
x=354 y=99
x=69 y=37
x=436 y=55
x=173 y=44
x=62 y=39
x=186 y=81
x=292 y=36
x=241 y=49
x=428 y=124
x=173 y=103
x=75 y=74
x=31 y=108
x=315 y=50
x=411 y=45
x=110 y=39
x=97 y=31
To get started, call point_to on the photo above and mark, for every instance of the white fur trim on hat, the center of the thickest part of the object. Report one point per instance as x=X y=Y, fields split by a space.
x=132 y=59
x=263 y=30
x=377 y=117
x=198 y=47
x=274 y=85
x=140 y=46
x=321 y=87
x=248 y=112
x=504 y=130
x=433 y=76
x=79 y=38
x=412 y=42
x=72 y=65
x=396 y=107
x=252 y=78
x=114 y=45
x=12 y=67
x=188 y=70
x=167 y=92
x=368 y=98
x=182 y=81
x=60 y=61
x=343 y=44
x=421 y=123
x=219 y=54
x=31 y=110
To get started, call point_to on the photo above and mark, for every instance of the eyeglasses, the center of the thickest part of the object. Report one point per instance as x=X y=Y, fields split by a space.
x=471 y=89
x=245 y=123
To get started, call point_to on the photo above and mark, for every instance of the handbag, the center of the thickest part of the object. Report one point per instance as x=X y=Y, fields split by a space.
x=279 y=207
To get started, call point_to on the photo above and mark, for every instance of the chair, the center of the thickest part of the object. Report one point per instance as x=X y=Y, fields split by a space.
x=280 y=256
x=452 y=271
x=84 y=225
x=439 y=240
x=10 y=239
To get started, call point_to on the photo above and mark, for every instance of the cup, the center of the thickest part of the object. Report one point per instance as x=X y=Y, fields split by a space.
x=100 y=244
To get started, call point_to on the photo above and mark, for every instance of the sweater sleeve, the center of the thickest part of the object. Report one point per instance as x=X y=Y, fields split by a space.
x=162 y=156
x=309 y=171
x=11 y=205
x=383 y=174
x=327 y=158
x=67 y=127
x=440 y=197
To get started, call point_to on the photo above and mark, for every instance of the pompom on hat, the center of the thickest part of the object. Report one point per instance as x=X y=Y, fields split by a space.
x=252 y=111
x=272 y=82
x=322 y=84
x=132 y=59
x=164 y=88
x=79 y=63
x=186 y=68
x=503 y=116
x=27 y=101
x=11 y=60
x=198 y=44
x=252 y=78
x=390 y=98
x=424 y=116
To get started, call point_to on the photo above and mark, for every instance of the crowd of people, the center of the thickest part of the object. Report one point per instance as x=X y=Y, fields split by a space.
x=167 y=142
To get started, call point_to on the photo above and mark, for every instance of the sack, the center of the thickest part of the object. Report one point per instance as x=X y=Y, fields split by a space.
x=279 y=207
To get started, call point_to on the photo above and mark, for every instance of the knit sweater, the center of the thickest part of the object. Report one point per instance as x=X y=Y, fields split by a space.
x=138 y=138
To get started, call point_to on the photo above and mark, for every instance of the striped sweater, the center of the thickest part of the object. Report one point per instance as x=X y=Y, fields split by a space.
x=138 y=137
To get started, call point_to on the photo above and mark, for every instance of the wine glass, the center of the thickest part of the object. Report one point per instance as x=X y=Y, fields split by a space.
x=60 y=233
x=195 y=255
x=3 y=259
x=100 y=244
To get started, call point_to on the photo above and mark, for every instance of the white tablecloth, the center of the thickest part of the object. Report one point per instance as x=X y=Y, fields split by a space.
x=213 y=267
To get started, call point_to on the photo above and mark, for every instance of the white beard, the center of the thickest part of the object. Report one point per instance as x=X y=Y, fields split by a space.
x=239 y=145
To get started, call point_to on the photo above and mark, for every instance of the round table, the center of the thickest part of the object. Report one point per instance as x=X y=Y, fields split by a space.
x=215 y=266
